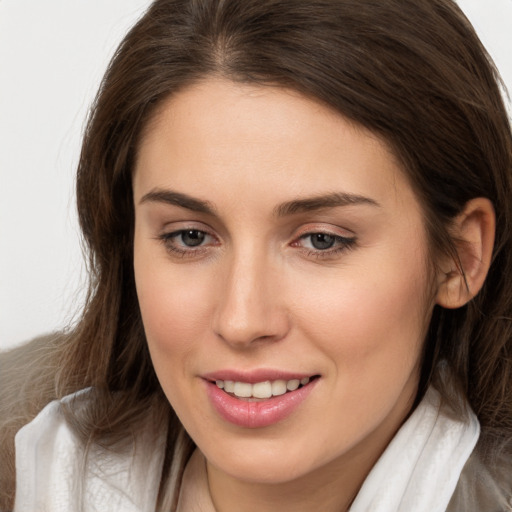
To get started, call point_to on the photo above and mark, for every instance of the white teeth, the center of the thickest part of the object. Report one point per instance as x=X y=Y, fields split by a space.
x=278 y=387
x=243 y=389
x=293 y=384
x=265 y=389
x=262 y=389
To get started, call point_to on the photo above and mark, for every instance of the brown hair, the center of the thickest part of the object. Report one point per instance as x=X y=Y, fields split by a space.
x=412 y=71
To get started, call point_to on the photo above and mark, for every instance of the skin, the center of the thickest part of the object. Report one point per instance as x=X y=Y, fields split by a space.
x=256 y=293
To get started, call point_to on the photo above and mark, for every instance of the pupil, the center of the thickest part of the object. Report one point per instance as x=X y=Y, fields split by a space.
x=192 y=237
x=322 y=241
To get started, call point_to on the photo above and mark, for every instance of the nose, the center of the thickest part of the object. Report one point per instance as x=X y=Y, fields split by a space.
x=249 y=303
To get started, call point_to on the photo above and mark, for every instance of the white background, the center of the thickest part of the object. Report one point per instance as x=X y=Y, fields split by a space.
x=52 y=56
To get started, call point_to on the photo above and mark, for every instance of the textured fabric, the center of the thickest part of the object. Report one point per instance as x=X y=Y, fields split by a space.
x=50 y=462
x=420 y=468
x=484 y=487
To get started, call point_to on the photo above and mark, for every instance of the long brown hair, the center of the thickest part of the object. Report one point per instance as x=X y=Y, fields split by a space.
x=411 y=71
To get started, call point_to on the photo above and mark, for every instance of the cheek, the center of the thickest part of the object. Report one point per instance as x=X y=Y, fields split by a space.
x=372 y=318
x=371 y=332
x=171 y=308
x=174 y=308
x=175 y=315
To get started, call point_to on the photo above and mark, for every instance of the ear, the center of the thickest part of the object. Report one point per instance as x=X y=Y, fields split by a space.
x=473 y=232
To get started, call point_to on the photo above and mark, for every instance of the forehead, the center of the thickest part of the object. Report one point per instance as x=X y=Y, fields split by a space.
x=224 y=140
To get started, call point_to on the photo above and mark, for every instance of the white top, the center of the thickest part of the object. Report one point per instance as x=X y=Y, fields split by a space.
x=49 y=462
x=418 y=471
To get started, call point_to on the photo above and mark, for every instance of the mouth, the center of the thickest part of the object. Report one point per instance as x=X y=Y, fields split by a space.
x=264 y=390
x=258 y=399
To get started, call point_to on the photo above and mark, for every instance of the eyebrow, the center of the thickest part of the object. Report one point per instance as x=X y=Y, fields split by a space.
x=333 y=200
x=295 y=206
x=179 y=199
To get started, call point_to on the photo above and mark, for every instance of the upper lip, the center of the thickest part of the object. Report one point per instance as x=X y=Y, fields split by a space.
x=256 y=375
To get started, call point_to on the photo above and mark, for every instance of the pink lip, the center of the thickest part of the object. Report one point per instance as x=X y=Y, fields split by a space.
x=253 y=376
x=255 y=414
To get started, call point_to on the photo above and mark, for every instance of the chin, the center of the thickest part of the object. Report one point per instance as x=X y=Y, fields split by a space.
x=264 y=462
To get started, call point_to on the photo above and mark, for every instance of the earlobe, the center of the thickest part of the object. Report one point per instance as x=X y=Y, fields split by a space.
x=473 y=232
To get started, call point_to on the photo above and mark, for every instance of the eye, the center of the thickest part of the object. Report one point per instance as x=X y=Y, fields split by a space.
x=324 y=245
x=185 y=242
x=191 y=237
x=321 y=241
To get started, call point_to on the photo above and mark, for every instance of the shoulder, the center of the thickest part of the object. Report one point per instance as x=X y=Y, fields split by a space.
x=56 y=471
x=27 y=384
x=47 y=459
x=27 y=372
x=484 y=485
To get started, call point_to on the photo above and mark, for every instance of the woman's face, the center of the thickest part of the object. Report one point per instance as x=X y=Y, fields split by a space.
x=276 y=242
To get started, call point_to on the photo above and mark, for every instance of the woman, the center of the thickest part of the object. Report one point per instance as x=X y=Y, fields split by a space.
x=299 y=228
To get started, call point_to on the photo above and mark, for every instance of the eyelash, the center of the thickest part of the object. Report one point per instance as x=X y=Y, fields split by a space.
x=185 y=251
x=343 y=244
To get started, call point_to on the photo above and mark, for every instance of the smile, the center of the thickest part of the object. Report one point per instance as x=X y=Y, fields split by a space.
x=261 y=390
x=259 y=400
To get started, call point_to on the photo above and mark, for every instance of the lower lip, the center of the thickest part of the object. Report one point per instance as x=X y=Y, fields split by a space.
x=257 y=414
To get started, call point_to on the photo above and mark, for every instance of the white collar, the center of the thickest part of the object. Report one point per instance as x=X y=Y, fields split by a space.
x=52 y=474
x=420 y=468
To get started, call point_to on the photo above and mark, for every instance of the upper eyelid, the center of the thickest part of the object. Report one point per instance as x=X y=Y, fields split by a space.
x=339 y=238
x=178 y=226
x=176 y=232
x=327 y=230
x=333 y=235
